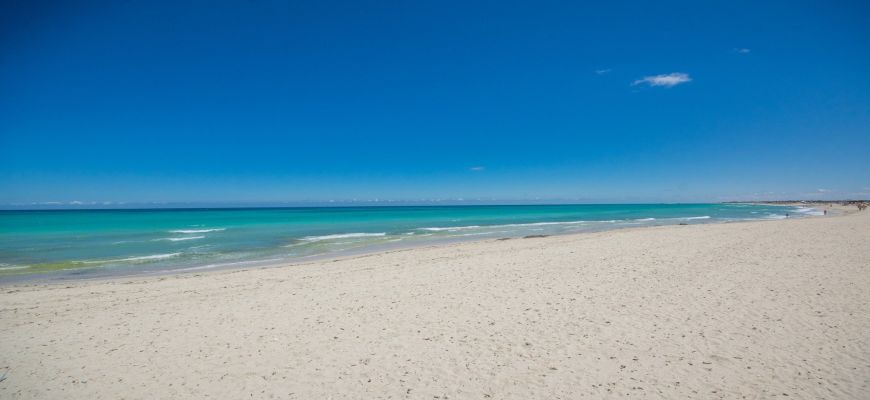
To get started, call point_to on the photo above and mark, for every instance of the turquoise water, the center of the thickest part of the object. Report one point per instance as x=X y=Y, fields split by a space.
x=87 y=243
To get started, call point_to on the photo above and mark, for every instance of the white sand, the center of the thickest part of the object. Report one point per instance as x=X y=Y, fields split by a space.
x=746 y=310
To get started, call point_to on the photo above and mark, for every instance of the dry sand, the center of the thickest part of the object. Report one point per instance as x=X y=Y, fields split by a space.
x=744 y=310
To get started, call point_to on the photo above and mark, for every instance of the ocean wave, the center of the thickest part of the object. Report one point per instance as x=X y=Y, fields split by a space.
x=808 y=211
x=135 y=259
x=449 y=228
x=461 y=228
x=128 y=241
x=198 y=230
x=693 y=218
x=178 y=239
x=10 y=267
x=543 y=223
x=645 y=219
x=342 y=236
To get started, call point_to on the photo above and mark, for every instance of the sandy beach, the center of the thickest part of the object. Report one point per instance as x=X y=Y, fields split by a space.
x=758 y=310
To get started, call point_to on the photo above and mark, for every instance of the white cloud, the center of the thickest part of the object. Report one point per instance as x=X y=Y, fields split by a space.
x=666 y=80
x=478 y=168
x=742 y=50
x=603 y=71
x=823 y=190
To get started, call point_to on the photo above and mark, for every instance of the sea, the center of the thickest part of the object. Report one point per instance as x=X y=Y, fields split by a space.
x=77 y=244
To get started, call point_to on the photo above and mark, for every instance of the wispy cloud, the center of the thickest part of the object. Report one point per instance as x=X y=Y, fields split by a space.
x=478 y=168
x=742 y=50
x=666 y=80
x=823 y=190
x=603 y=71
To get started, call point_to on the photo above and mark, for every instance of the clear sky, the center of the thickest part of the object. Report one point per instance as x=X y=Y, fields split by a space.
x=268 y=101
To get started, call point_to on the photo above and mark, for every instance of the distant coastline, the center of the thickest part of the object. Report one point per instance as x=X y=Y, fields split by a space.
x=112 y=206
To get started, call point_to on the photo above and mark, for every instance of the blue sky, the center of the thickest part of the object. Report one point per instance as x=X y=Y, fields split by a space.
x=266 y=101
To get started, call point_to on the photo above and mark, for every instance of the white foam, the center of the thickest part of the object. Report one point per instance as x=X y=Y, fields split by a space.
x=127 y=241
x=342 y=236
x=460 y=228
x=198 y=230
x=151 y=257
x=693 y=218
x=809 y=211
x=133 y=259
x=182 y=238
x=9 y=267
x=450 y=228
x=544 y=223
x=645 y=219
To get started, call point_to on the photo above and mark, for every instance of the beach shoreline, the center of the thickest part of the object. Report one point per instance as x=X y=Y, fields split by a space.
x=723 y=310
x=97 y=274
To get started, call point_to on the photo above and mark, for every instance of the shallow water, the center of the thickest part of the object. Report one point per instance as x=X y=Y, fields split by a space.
x=88 y=243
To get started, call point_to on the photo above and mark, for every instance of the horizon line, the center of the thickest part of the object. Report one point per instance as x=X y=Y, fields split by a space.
x=168 y=206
